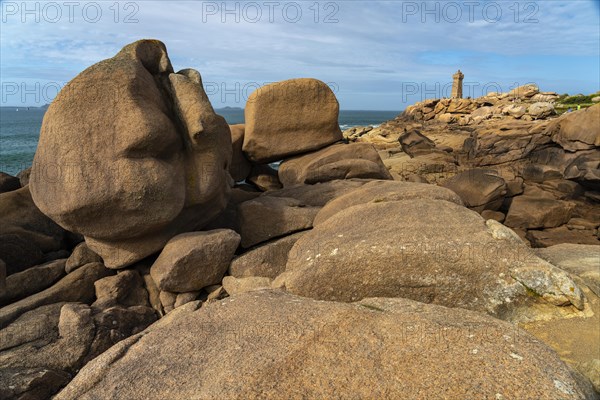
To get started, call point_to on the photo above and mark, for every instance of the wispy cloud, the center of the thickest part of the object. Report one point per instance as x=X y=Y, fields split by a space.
x=371 y=52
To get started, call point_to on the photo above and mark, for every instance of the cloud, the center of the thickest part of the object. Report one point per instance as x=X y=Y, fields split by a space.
x=370 y=53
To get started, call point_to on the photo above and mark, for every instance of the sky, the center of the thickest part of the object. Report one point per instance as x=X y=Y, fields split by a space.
x=376 y=55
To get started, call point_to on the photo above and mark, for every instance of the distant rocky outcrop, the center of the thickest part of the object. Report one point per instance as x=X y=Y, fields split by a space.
x=533 y=156
x=525 y=102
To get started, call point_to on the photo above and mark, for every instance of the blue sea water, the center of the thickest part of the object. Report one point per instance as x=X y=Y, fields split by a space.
x=19 y=131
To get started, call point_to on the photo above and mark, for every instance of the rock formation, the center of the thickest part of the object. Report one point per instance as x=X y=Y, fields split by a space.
x=132 y=163
x=540 y=168
x=379 y=268
x=288 y=118
x=274 y=345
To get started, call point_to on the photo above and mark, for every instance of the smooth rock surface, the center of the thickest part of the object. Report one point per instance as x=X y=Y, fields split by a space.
x=155 y=160
x=383 y=191
x=193 y=260
x=267 y=260
x=390 y=348
x=479 y=189
x=234 y=285
x=342 y=161
x=290 y=117
x=532 y=213
x=431 y=251
x=266 y=218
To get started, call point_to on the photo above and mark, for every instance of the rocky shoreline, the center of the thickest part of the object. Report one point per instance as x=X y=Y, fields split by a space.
x=152 y=251
x=535 y=172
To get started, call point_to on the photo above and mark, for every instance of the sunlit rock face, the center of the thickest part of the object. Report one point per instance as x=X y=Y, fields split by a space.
x=131 y=154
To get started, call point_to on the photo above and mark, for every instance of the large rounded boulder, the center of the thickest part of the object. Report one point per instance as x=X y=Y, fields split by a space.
x=290 y=117
x=428 y=250
x=271 y=345
x=130 y=154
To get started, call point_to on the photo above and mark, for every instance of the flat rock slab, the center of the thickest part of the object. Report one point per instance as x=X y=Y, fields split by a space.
x=342 y=161
x=533 y=213
x=560 y=235
x=382 y=191
x=266 y=218
x=267 y=260
x=32 y=280
x=77 y=286
x=268 y=344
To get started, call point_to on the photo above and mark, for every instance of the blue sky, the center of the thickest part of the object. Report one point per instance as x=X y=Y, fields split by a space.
x=375 y=55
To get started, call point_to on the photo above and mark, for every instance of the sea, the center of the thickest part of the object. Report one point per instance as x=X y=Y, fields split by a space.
x=20 y=129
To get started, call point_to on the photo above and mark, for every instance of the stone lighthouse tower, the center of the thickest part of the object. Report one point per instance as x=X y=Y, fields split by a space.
x=457 y=85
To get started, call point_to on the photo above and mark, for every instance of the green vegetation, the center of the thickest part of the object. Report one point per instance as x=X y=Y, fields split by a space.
x=577 y=99
x=565 y=101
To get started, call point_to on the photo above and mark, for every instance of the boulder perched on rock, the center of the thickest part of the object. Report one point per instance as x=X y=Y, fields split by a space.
x=382 y=191
x=240 y=166
x=479 y=189
x=192 y=261
x=272 y=345
x=290 y=117
x=266 y=218
x=578 y=130
x=414 y=143
x=131 y=154
x=25 y=234
x=541 y=110
x=515 y=110
x=524 y=92
x=533 y=213
x=432 y=251
x=342 y=161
